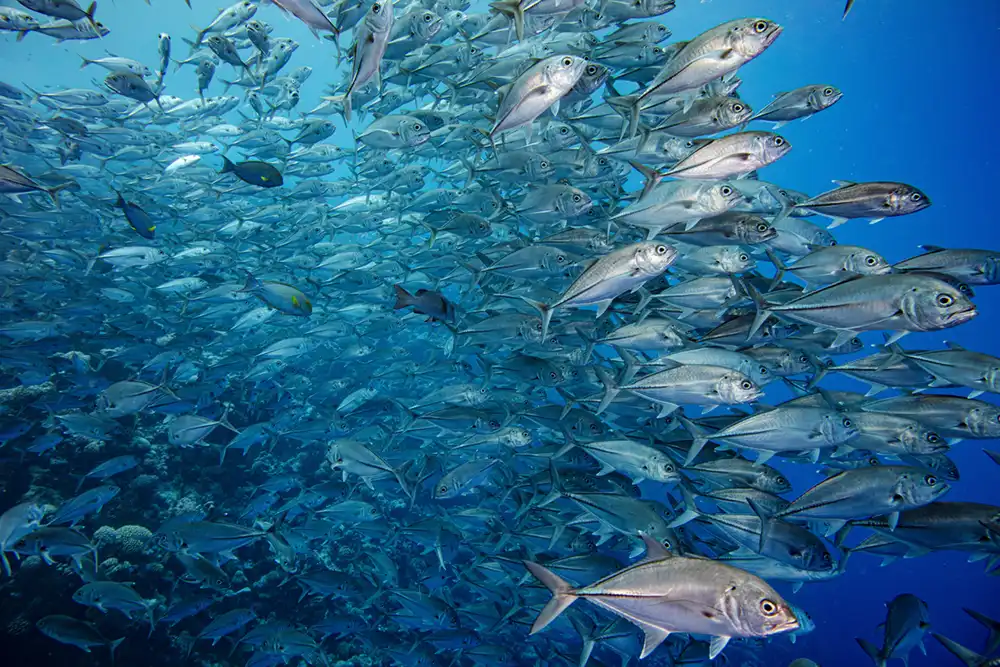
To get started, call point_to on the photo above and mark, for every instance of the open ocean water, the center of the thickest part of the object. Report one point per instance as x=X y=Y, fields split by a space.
x=394 y=456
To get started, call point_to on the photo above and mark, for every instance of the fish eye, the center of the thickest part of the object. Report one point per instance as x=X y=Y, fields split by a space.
x=779 y=141
x=870 y=260
x=544 y=164
x=737 y=107
x=768 y=607
x=560 y=259
x=930 y=480
x=916 y=196
x=553 y=375
x=762 y=370
x=442 y=489
x=563 y=130
x=376 y=8
x=847 y=423
x=591 y=69
x=828 y=91
x=567 y=61
x=428 y=17
x=933 y=438
x=744 y=257
x=418 y=127
x=873 y=461
x=760 y=26
x=803 y=359
x=855 y=341
x=945 y=300
x=577 y=198
x=747 y=385
x=762 y=227
x=661 y=250
x=726 y=191
x=594 y=428
x=219 y=582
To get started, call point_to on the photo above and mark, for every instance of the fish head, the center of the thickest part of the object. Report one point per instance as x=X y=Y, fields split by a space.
x=916 y=487
x=563 y=72
x=905 y=199
x=921 y=440
x=753 y=229
x=652 y=258
x=593 y=77
x=573 y=202
x=823 y=97
x=736 y=388
x=426 y=25
x=559 y=136
x=720 y=197
x=934 y=304
x=867 y=263
x=757 y=609
x=836 y=427
x=772 y=146
x=732 y=112
x=769 y=479
x=379 y=18
x=736 y=260
x=752 y=36
x=657 y=7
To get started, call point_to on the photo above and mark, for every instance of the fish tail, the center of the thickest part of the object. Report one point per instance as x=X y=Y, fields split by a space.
x=699 y=438
x=690 y=512
x=762 y=309
x=652 y=177
x=227 y=165
x=988 y=623
x=86 y=61
x=403 y=298
x=611 y=390
x=969 y=657
x=872 y=651
x=562 y=595
x=545 y=311
x=779 y=266
x=113 y=645
x=251 y=284
x=53 y=193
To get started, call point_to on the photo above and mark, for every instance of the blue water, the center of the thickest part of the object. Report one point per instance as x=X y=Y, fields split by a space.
x=920 y=106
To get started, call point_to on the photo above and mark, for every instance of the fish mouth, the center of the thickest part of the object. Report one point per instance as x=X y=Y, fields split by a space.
x=785 y=626
x=773 y=35
x=962 y=315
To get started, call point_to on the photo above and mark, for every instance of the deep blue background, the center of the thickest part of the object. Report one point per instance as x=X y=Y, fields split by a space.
x=920 y=105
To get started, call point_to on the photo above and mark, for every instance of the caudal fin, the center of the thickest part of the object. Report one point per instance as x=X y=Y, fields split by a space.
x=403 y=298
x=872 y=651
x=970 y=658
x=562 y=595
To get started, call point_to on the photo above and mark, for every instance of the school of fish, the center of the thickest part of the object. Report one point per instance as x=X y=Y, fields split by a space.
x=441 y=396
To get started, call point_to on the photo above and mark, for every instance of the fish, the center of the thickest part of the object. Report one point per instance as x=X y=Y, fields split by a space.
x=253 y=172
x=642 y=594
x=907 y=620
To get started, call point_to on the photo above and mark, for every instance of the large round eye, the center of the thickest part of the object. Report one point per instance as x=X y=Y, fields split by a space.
x=762 y=227
x=803 y=359
x=418 y=127
x=744 y=257
x=494 y=424
x=945 y=300
x=726 y=191
x=856 y=342
x=567 y=61
x=591 y=69
x=738 y=107
x=661 y=250
x=760 y=26
x=544 y=164
x=779 y=141
x=220 y=582
x=442 y=489
x=428 y=17
x=577 y=198
x=762 y=370
x=870 y=260
x=560 y=259
x=563 y=130
x=594 y=428
x=916 y=196
x=747 y=385
x=873 y=461
x=603 y=161
x=847 y=423
x=768 y=608
x=828 y=91
x=933 y=438
x=930 y=480
x=376 y=8
x=553 y=375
